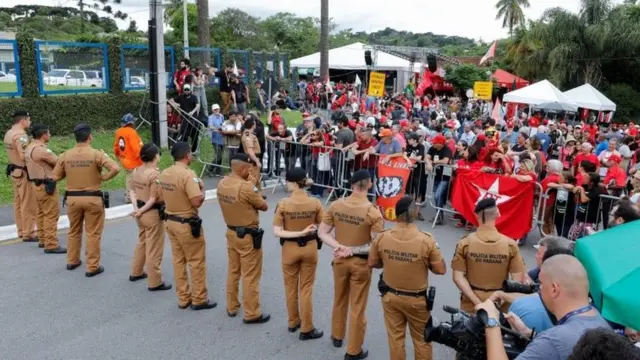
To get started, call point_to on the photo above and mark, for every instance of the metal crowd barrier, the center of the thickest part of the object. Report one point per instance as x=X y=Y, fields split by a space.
x=563 y=217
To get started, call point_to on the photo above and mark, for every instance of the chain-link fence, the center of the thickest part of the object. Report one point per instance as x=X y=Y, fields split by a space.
x=71 y=67
x=204 y=57
x=10 y=84
x=134 y=63
x=258 y=66
x=241 y=59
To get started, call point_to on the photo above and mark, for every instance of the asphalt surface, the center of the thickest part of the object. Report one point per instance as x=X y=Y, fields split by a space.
x=47 y=312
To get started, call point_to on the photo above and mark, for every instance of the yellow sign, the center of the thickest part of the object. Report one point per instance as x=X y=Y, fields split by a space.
x=376 y=83
x=482 y=90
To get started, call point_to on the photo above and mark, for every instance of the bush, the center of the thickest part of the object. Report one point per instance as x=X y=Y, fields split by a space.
x=627 y=102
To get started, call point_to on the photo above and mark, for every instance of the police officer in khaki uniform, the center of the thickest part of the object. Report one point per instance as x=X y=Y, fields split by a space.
x=295 y=223
x=406 y=254
x=24 y=201
x=183 y=194
x=251 y=147
x=355 y=220
x=483 y=260
x=146 y=197
x=40 y=161
x=82 y=165
x=240 y=202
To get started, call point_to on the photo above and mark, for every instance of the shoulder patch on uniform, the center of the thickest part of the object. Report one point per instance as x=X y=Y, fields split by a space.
x=49 y=151
x=24 y=141
x=196 y=180
x=437 y=246
x=157 y=181
x=255 y=189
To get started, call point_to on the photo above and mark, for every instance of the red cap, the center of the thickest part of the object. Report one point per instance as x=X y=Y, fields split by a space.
x=439 y=139
x=451 y=124
x=509 y=124
x=481 y=137
x=615 y=158
x=404 y=123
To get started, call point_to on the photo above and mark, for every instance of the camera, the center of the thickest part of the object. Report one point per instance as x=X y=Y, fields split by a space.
x=509 y=286
x=465 y=334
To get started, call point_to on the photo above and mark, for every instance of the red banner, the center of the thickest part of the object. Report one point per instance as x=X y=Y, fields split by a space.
x=514 y=199
x=391 y=185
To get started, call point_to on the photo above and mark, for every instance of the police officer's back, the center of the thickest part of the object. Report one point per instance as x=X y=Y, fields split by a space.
x=82 y=166
x=240 y=202
x=295 y=224
x=483 y=260
x=406 y=254
x=40 y=161
x=354 y=219
x=183 y=194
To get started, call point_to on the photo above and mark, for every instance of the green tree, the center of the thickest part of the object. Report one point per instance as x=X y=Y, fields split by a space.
x=510 y=11
x=292 y=34
x=463 y=76
x=133 y=26
x=175 y=19
x=101 y=5
x=627 y=100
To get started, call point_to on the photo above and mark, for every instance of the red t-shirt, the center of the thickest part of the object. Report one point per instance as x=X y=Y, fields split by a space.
x=276 y=120
x=474 y=165
x=534 y=122
x=592 y=130
x=180 y=76
x=551 y=178
x=371 y=161
x=616 y=174
x=633 y=131
x=580 y=179
x=532 y=175
x=592 y=158
x=315 y=150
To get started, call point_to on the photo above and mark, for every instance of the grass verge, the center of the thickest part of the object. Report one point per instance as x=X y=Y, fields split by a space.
x=104 y=140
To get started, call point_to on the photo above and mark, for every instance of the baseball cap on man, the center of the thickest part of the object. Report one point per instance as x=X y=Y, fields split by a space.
x=215 y=107
x=186 y=87
x=127 y=119
x=385 y=133
x=439 y=139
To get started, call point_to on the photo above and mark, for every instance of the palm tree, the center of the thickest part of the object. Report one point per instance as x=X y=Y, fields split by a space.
x=511 y=13
x=324 y=39
x=204 y=35
x=572 y=49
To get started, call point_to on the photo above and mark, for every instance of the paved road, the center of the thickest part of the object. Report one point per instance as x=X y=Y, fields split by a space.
x=48 y=312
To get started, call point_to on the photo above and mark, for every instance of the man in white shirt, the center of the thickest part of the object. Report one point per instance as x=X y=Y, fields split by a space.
x=468 y=136
x=604 y=156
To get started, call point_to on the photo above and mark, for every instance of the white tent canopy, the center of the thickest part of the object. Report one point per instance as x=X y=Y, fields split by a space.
x=351 y=57
x=588 y=97
x=542 y=93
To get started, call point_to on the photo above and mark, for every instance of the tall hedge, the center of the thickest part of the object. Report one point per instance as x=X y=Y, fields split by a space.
x=28 y=68
x=115 y=68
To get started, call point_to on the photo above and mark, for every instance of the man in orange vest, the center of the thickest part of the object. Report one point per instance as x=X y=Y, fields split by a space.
x=126 y=147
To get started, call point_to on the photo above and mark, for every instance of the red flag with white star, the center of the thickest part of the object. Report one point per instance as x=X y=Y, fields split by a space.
x=514 y=199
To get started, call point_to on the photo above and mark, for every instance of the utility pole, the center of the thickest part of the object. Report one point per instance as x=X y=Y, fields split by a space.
x=157 y=75
x=324 y=40
x=185 y=28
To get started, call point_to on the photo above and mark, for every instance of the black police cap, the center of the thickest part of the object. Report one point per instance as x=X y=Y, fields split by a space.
x=20 y=113
x=82 y=128
x=296 y=174
x=241 y=157
x=403 y=205
x=179 y=149
x=360 y=175
x=488 y=203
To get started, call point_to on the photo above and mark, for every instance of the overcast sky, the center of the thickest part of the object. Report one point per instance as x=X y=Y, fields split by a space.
x=468 y=18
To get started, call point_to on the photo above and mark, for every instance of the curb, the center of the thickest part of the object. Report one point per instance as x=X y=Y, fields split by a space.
x=9 y=233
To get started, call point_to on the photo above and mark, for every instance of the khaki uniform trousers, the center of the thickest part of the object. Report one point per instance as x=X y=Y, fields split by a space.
x=47 y=217
x=24 y=206
x=399 y=311
x=245 y=263
x=191 y=251
x=226 y=103
x=128 y=182
x=351 y=279
x=299 y=271
x=149 y=249
x=87 y=211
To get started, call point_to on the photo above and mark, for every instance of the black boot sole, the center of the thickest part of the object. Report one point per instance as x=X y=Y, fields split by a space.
x=260 y=320
x=136 y=278
x=206 y=306
x=73 y=266
x=294 y=329
x=56 y=251
x=311 y=335
x=94 y=273
x=161 y=287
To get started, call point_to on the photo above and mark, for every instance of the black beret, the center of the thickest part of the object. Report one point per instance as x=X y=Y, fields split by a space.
x=180 y=148
x=242 y=157
x=296 y=174
x=21 y=113
x=81 y=128
x=360 y=175
x=403 y=205
x=488 y=203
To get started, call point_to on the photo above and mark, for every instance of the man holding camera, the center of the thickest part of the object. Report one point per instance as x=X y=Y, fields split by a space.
x=400 y=251
x=484 y=259
x=564 y=289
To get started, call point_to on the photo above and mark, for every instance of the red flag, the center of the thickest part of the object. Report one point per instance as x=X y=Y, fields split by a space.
x=491 y=53
x=424 y=84
x=391 y=185
x=514 y=199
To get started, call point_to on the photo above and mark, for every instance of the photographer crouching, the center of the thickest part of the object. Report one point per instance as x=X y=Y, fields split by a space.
x=564 y=290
